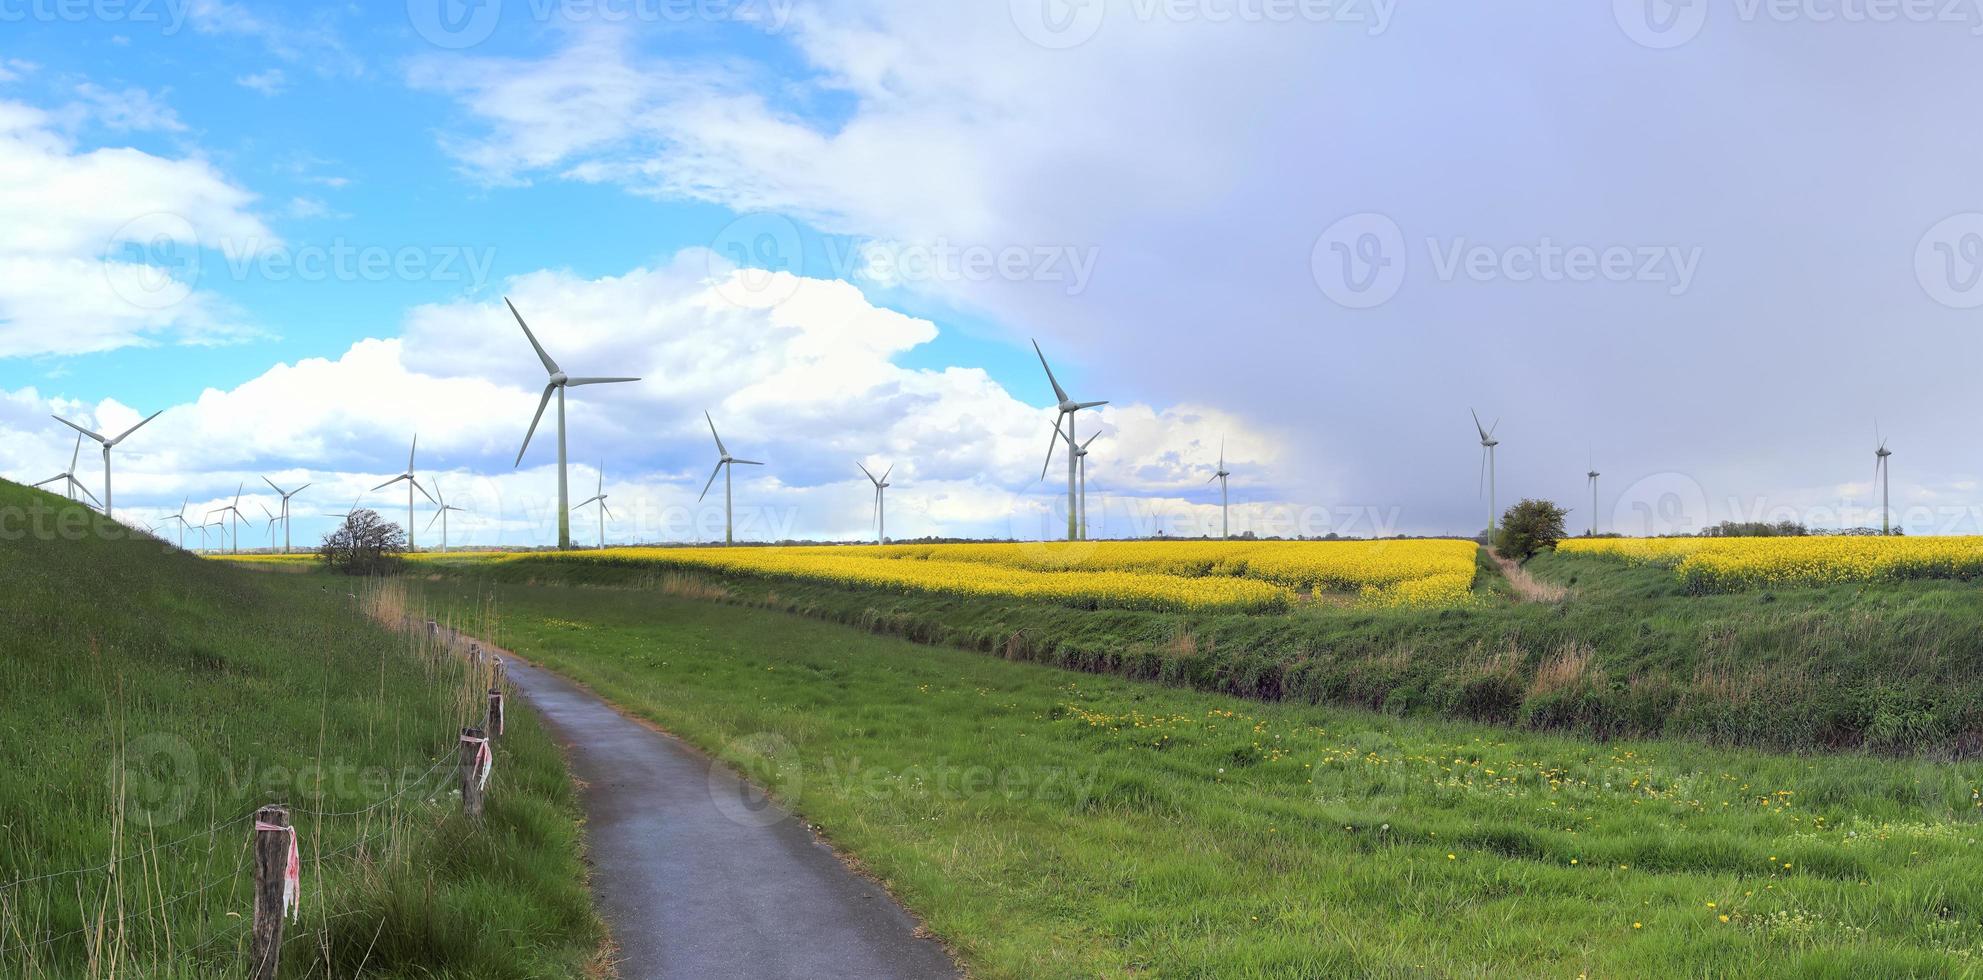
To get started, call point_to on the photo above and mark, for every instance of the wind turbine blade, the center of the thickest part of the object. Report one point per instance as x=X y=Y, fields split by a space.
x=712 y=433
x=298 y=490
x=135 y=428
x=1476 y=424
x=884 y=473
x=1214 y=477
x=411 y=450
x=597 y=381
x=388 y=483
x=1481 y=489
x=864 y=470
x=423 y=491
x=52 y=479
x=76 y=454
x=78 y=428
x=1091 y=404
x=712 y=482
x=534 y=419
x=1491 y=428
x=608 y=510
x=1051 y=443
x=78 y=484
x=1085 y=442
x=1058 y=393
x=272 y=486
x=747 y=462
x=433 y=520
x=550 y=366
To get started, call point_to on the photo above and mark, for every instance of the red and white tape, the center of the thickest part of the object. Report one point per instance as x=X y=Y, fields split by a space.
x=292 y=873
x=484 y=761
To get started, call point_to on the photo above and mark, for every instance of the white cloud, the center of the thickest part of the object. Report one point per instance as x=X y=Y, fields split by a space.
x=801 y=374
x=128 y=110
x=100 y=248
x=271 y=82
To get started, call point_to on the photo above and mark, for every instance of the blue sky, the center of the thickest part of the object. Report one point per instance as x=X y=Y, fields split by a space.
x=1685 y=246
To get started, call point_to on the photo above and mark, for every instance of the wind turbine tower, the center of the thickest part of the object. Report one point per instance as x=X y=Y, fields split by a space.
x=600 y=499
x=1487 y=444
x=108 y=444
x=724 y=464
x=558 y=382
x=880 y=513
x=1067 y=408
x=411 y=485
x=1225 y=528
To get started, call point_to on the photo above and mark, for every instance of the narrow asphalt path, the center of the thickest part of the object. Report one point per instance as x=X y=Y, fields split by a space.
x=699 y=877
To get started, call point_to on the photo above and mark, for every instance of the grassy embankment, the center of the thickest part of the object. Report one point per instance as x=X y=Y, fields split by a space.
x=1895 y=668
x=1056 y=824
x=220 y=691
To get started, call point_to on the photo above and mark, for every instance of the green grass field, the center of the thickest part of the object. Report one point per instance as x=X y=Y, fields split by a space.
x=153 y=700
x=1049 y=823
x=1896 y=668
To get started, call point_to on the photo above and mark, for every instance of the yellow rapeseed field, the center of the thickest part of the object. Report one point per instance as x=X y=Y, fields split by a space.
x=1215 y=576
x=1732 y=564
x=1163 y=575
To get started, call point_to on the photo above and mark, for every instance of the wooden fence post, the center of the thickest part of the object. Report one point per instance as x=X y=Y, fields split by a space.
x=495 y=723
x=472 y=744
x=271 y=871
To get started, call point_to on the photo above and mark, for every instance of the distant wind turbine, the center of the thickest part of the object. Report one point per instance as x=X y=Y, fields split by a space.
x=286 y=494
x=203 y=534
x=723 y=466
x=183 y=522
x=600 y=499
x=880 y=510
x=273 y=520
x=1225 y=527
x=235 y=509
x=1067 y=408
x=1880 y=472
x=559 y=382
x=1487 y=444
x=411 y=485
x=1592 y=476
x=1081 y=467
x=108 y=444
x=72 y=484
x=439 y=515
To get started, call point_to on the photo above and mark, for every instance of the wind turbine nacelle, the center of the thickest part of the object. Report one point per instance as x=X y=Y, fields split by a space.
x=559 y=378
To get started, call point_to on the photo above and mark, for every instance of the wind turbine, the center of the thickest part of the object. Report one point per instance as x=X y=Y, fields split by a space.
x=1880 y=472
x=1067 y=407
x=723 y=465
x=558 y=382
x=107 y=445
x=880 y=511
x=69 y=475
x=203 y=534
x=235 y=509
x=600 y=499
x=1487 y=444
x=183 y=522
x=1592 y=476
x=439 y=515
x=286 y=494
x=1081 y=457
x=272 y=522
x=1225 y=527
x=411 y=485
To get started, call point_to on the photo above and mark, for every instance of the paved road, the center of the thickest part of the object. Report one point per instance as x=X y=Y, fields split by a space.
x=695 y=884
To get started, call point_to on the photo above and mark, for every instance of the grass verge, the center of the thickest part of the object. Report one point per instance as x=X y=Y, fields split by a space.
x=154 y=700
x=1055 y=824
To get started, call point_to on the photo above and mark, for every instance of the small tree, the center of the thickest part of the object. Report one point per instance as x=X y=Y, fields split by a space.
x=1529 y=527
x=365 y=544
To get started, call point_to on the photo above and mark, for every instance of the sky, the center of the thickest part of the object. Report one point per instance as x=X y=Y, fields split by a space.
x=1714 y=250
